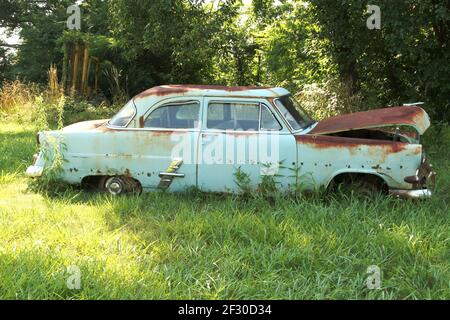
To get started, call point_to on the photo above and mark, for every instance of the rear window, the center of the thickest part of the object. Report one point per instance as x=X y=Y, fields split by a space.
x=124 y=116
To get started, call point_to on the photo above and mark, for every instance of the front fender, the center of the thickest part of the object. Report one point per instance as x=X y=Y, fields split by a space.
x=386 y=178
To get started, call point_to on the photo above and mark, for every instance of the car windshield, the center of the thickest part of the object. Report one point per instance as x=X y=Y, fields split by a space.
x=293 y=112
x=124 y=116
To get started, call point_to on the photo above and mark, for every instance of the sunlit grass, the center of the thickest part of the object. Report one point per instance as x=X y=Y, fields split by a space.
x=206 y=246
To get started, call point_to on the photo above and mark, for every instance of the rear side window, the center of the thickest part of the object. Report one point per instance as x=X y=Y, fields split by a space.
x=240 y=117
x=177 y=115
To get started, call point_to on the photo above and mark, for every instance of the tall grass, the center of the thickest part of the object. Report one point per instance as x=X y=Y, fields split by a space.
x=48 y=107
x=195 y=245
x=17 y=97
x=204 y=246
x=55 y=90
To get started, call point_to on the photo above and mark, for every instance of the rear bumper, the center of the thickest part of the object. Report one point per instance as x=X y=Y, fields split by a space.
x=37 y=168
x=411 y=194
x=34 y=171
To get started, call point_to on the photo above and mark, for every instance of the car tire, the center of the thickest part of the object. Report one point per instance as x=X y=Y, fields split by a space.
x=118 y=185
x=115 y=186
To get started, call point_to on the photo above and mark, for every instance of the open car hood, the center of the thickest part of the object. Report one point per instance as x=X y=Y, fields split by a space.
x=410 y=116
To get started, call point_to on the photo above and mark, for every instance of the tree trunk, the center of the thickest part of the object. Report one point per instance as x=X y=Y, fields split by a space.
x=75 y=69
x=65 y=66
x=84 y=76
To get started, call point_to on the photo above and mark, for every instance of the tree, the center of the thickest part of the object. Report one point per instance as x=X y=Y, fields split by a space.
x=407 y=60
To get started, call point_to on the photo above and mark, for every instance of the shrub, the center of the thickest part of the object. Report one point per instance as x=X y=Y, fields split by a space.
x=76 y=111
x=328 y=99
x=52 y=149
x=49 y=107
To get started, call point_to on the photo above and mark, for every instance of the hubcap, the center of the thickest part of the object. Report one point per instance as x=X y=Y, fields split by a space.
x=114 y=186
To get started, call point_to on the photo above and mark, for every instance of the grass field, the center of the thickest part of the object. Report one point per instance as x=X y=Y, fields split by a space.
x=164 y=246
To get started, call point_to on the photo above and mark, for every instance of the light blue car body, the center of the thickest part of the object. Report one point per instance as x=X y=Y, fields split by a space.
x=310 y=157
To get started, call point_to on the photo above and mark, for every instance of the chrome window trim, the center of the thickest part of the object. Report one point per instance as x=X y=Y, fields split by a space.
x=220 y=131
x=157 y=129
x=260 y=118
x=287 y=122
x=174 y=103
x=284 y=118
x=128 y=123
x=256 y=103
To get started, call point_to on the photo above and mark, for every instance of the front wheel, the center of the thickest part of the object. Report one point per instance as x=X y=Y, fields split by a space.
x=360 y=185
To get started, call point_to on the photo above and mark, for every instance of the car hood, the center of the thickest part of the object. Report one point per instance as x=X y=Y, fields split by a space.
x=85 y=125
x=411 y=116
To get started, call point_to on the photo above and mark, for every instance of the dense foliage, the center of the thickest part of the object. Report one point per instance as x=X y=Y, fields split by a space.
x=211 y=246
x=318 y=48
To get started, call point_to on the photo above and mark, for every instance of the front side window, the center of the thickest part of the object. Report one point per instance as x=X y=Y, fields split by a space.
x=124 y=116
x=176 y=115
x=240 y=116
x=293 y=113
x=268 y=120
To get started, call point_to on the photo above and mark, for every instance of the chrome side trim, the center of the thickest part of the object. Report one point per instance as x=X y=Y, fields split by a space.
x=171 y=174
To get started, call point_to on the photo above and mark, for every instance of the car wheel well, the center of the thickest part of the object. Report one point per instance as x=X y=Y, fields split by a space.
x=370 y=181
x=98 y=182
x=91 y=182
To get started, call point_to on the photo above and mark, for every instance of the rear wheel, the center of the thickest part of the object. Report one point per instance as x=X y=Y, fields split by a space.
x=115 y=186
x=118 y=185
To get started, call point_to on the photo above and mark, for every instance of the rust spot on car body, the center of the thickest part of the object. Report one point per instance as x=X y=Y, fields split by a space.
x=406 y=115
x=127 y=173
x=86 y=125
x=323 y=142
x=157 y=133
x=105 y=128
x=233 y=133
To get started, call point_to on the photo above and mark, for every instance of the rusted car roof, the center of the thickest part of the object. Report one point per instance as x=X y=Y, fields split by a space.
x=412 y=116
x=212 y=90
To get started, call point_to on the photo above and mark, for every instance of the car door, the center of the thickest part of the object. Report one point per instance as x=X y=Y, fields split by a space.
x=168 y=143
x=241 y=141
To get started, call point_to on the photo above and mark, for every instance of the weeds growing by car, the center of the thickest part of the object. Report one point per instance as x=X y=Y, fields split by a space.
x=176 y=137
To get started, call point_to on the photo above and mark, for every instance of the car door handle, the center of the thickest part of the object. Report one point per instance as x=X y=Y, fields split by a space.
x=210 y=134
x=207 y=137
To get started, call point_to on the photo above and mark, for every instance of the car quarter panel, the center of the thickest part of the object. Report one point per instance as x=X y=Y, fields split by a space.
x=321 y=158
x=140 y=154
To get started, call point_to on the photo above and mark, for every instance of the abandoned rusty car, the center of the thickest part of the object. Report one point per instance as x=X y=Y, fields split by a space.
x=175 y=137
